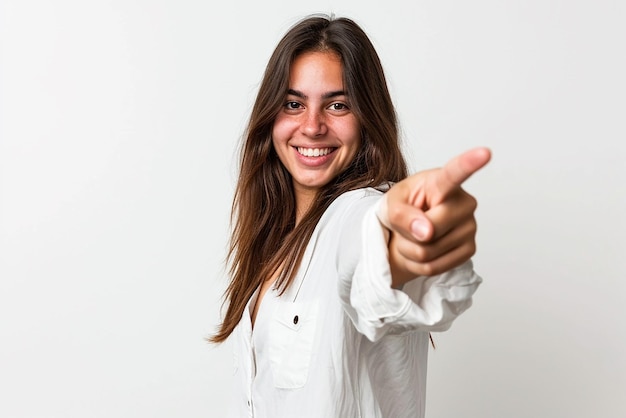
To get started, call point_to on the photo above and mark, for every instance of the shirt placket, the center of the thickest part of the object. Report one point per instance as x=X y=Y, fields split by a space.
x=250 y=401
x=248 y=354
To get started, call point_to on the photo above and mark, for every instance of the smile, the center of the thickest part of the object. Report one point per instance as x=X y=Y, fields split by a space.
x=314 y=152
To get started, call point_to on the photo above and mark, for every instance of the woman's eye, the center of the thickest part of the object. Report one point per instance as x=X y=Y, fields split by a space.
x=292 y=105
x=338 y=106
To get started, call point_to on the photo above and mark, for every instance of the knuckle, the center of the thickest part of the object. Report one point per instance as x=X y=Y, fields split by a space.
x=472 y=227
x=394 y=213
x=471 y=250
x=427 y=269
x=473 y=203
x=421 y=254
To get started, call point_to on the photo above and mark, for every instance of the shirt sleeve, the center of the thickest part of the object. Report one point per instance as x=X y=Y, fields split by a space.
x=427 y=303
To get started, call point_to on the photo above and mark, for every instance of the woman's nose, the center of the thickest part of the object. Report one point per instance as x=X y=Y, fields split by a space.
x=313 y=124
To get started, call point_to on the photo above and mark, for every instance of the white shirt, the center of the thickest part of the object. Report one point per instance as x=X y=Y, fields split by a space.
x=340 y=341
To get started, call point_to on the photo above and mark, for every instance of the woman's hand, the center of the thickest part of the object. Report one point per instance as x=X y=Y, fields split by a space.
x=431 y=219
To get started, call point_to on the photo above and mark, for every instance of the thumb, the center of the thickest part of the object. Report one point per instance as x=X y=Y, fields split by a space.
x=421 y=228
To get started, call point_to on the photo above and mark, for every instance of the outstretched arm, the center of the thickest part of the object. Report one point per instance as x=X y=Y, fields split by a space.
x=431 y=219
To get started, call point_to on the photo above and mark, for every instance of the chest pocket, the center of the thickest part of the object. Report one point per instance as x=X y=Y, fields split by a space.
x=292 y=334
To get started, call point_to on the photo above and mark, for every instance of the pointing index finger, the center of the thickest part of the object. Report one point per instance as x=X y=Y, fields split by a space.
x=460 y=168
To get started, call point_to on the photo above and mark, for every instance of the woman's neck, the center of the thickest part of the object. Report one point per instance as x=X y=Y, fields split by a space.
x=304 y=201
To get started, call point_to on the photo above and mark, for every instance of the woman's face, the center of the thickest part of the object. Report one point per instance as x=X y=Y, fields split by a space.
x=315 y=134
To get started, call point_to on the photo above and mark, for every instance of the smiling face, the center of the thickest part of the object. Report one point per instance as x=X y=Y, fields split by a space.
x=315 y=134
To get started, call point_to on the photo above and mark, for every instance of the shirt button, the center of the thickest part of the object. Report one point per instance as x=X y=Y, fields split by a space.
x=295 y=320
x=248 y=403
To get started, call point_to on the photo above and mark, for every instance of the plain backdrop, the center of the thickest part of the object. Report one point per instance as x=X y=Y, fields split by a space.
x=119 y=127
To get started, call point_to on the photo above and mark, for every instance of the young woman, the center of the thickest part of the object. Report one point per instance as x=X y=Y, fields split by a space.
x=341 y=263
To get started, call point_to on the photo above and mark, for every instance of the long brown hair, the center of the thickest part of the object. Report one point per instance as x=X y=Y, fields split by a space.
x=264 y=236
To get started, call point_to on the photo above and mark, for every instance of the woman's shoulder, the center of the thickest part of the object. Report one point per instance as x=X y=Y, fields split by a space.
x=357 y=194
x=355 y=201
x=351 y=205
x=365 y=192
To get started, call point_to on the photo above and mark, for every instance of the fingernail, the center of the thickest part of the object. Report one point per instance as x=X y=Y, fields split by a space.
x=419 y=228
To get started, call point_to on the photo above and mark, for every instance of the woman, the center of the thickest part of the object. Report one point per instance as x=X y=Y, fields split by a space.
x=341 y=265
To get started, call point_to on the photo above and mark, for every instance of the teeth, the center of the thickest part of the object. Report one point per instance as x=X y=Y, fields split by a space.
x=314 y=152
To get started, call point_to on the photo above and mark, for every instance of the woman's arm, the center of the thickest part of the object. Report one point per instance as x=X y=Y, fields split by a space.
x=376 y=264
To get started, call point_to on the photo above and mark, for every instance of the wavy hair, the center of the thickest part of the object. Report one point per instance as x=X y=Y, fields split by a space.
x=265 y=239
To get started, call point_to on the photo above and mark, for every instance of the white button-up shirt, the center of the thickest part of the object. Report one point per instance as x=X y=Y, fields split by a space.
x=340 y=341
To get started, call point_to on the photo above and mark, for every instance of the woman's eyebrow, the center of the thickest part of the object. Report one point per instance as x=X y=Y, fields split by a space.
x=328 y=95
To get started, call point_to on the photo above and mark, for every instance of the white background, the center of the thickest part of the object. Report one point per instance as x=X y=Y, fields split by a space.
x=119 y=125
